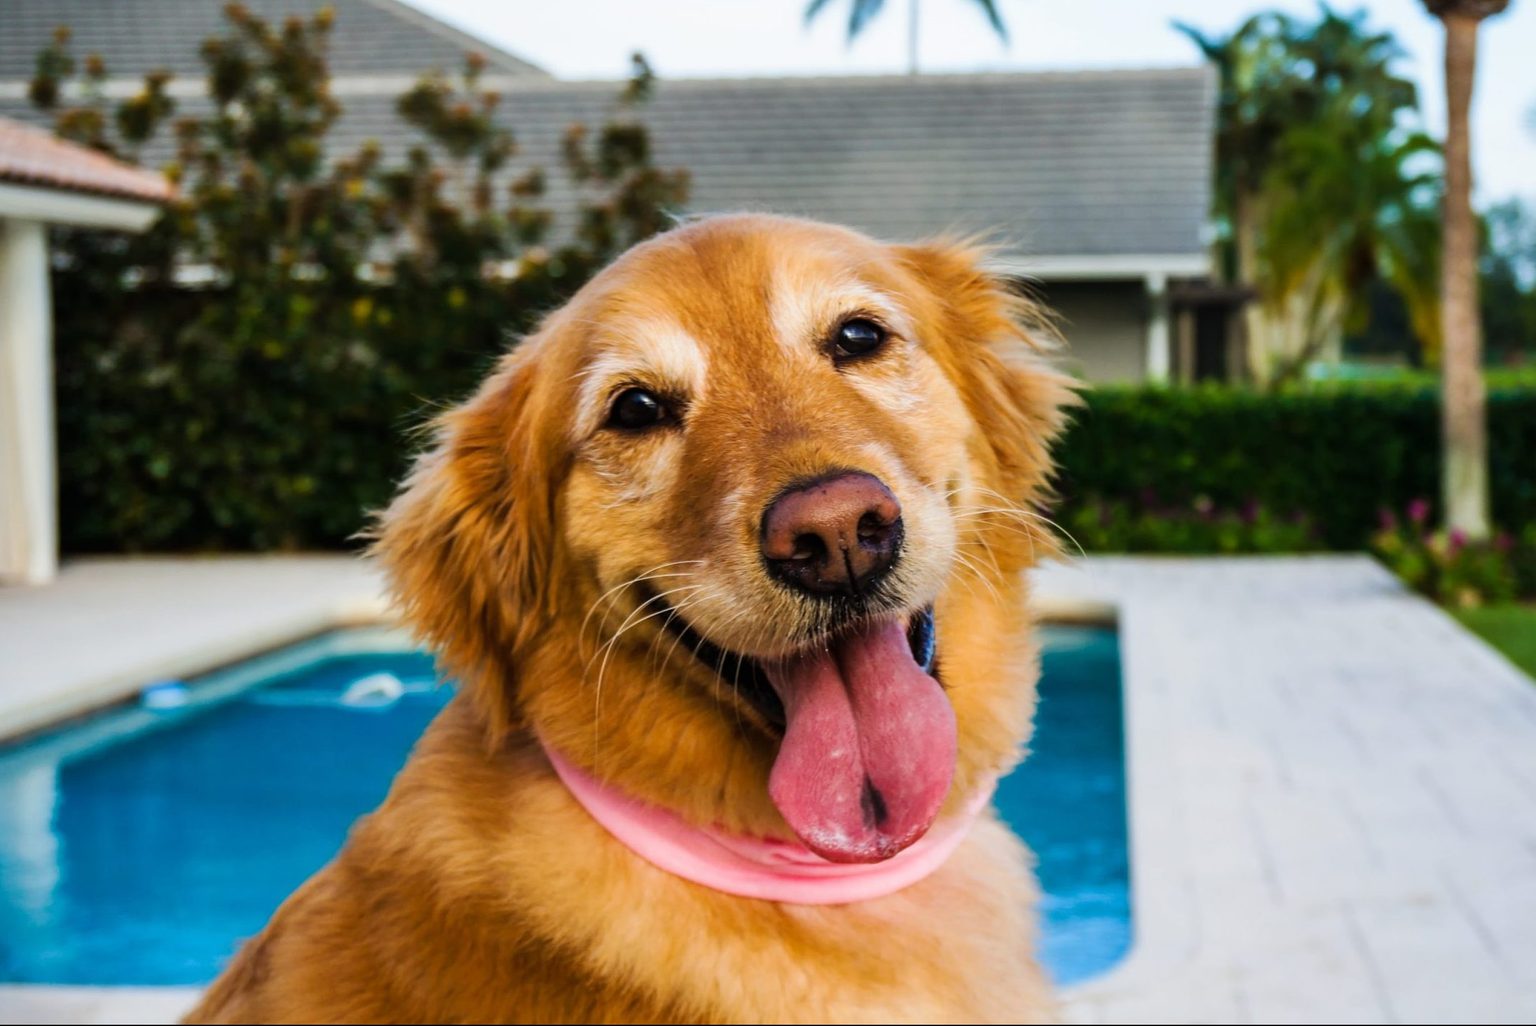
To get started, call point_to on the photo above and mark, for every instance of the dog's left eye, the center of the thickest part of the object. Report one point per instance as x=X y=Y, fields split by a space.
x=636 y=409
x=858 y=337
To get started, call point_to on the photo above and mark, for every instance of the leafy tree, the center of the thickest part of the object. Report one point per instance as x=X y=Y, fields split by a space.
x=1322 y=182
x=862 y=12
x=1507 y=280
x=1465 y=482
x=238 y=375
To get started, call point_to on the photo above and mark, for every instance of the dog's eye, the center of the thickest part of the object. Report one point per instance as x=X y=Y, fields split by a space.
x=857 y=337
x=636 y=409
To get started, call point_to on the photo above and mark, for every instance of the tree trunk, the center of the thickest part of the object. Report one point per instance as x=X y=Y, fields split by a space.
x=1256 y=326
x=912 y=37
x=1464 y=480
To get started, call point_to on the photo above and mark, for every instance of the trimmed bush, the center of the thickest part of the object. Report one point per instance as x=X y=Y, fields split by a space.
x=204 y=441
x=1334 y=457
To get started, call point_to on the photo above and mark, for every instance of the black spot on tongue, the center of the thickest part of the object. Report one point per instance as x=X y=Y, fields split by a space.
x=873 y=805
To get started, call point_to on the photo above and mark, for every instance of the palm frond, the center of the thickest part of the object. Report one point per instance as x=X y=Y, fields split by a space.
x=994 y=18
x=814 y=8
x=862 y=12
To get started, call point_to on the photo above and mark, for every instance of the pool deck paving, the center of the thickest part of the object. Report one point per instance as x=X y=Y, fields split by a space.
x=107 y=627
x=1332 y=794
x=1332 y=784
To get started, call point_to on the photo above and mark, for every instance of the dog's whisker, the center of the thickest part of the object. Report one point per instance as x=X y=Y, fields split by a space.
x=651 y=574
x=607 y=651
x=1032 y=517
x=630 y=622
x=975 y=534
x=1012 y=510
x=979 y=575
x=676 y=612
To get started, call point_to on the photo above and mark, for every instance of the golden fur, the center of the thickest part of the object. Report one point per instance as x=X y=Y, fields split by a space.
x=480 y=891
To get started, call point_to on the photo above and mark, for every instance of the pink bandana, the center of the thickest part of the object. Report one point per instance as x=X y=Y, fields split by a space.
x=753 y=867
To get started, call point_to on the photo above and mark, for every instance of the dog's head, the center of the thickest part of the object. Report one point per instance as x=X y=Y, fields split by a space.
x=741 y=529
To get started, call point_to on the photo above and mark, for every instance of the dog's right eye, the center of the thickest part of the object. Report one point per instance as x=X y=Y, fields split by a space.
x=636 y=409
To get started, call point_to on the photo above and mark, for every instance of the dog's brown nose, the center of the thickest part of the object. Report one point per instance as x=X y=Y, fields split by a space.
x=835 y=534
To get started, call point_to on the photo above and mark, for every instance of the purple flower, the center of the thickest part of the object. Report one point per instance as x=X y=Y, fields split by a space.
x=1418 y=511
x=1458 y=540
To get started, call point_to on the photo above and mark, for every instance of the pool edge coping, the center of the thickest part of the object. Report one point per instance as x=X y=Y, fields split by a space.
x=93 y=694
x=1163 y=927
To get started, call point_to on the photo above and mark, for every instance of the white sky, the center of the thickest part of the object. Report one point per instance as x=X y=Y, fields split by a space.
x=701 y=38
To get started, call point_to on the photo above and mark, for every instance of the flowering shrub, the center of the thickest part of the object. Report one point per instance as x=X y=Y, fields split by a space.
x=1450 y=568
x=1337 y=453
x=1149 y=525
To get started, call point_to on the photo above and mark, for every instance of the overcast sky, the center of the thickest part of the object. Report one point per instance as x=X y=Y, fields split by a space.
x=701 y=38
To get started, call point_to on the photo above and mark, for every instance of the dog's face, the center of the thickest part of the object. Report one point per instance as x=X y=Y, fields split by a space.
x=742 y=507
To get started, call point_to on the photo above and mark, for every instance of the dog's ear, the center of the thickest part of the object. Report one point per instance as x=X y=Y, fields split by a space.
x=468 y=545
x=991 y=341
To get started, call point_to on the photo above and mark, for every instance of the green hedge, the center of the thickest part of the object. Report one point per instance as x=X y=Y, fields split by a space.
x=1334 y=456
x=203 y=442
x=220 y=437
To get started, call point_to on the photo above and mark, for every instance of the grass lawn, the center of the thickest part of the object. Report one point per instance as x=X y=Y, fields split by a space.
x=1509 y=628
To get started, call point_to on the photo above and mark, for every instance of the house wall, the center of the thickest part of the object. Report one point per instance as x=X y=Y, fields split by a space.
x=1104 y=324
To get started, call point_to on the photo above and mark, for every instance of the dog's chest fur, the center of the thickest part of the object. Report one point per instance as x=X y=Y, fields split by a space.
x=550 y=919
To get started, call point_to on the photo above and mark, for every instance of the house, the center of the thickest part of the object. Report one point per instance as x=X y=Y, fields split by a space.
x=45 y=181
x=1096 y=184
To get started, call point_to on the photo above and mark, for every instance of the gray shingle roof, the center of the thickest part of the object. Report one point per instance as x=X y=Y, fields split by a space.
x=134 y=36
x=1063 y=164
x=1087 y=163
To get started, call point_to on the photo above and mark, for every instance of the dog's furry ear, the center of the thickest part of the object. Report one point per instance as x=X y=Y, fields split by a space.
x=991 y=341
x=468 y=544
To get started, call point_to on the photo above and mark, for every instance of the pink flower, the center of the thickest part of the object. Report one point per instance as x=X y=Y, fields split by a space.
x=1418 y=511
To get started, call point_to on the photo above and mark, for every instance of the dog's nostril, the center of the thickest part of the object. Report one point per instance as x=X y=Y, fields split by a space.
x=809 y=547
x=872 y=526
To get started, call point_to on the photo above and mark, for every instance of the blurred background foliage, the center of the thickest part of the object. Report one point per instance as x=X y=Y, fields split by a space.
x=244 y=375
x=1312 y=467
x=1324 y=183
x=1328 y=201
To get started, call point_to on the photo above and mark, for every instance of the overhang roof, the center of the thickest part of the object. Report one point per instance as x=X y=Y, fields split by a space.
x=32 y=157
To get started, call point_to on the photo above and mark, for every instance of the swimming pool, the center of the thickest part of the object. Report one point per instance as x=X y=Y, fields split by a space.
x=140 y=846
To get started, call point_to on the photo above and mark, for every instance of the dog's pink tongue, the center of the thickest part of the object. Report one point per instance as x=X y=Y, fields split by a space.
x=868 y=750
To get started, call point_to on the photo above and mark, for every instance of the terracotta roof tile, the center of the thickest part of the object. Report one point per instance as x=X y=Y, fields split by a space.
x=30 y=156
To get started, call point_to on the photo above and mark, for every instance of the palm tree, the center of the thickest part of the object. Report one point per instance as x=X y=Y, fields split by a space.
x=862 y=12
x=1303 y=109
x=1348 y=208
x=1464 y=472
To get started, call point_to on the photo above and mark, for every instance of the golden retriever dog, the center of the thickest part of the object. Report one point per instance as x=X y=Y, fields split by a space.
x=731 y=549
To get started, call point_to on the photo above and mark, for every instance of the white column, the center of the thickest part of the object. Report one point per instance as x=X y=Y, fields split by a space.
x=28 y=504
x=1159 y=359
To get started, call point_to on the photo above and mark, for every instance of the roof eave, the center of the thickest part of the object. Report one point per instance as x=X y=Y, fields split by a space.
x=1100 y=267
x=78 y=209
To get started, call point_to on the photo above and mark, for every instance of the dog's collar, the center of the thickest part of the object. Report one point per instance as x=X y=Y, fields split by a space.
x=752 y=867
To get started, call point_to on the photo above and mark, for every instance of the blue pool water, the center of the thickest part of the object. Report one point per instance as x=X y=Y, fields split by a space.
x=140 y=846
